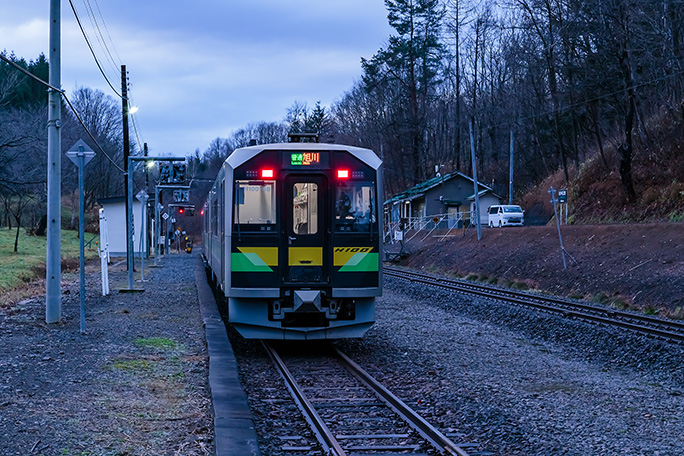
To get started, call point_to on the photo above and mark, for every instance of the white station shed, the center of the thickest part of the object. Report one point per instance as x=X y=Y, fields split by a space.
x=115 y=212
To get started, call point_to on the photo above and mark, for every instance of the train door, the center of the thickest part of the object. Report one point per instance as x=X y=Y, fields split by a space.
x=222 y=229
x=305 y=229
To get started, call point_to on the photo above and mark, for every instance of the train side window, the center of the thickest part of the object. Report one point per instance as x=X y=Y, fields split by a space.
x=355 y=207
x=255 y=202
x=305 y=208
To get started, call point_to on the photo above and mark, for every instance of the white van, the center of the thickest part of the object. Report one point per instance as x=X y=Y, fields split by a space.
x=505 y=215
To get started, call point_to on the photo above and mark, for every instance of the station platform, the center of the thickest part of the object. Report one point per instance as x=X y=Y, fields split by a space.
x=234 y=432
x=154 y=372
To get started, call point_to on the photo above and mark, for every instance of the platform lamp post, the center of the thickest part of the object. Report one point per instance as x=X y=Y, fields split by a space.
x=132 y=161
x=81 y=154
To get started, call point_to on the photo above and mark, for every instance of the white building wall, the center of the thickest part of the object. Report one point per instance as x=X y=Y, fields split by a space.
x=116 y=226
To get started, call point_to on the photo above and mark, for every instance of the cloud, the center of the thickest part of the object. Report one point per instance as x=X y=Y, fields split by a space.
x=198 y=73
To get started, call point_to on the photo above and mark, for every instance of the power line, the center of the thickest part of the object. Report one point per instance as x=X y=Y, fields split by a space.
x=90 y=134
x=103 y=42
x=28 y=73
x=73 y=110
x=78 y=20
x=100 y=36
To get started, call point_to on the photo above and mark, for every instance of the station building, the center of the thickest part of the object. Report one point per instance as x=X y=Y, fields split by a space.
x=450 y=199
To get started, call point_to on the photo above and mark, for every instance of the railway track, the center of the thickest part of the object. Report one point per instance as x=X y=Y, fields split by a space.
x=668 y=330
x=353 y=414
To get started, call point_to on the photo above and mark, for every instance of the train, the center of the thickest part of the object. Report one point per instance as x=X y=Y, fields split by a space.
x=292 y=240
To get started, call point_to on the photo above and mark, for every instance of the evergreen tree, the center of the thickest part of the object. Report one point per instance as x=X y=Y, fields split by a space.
x=411 y=61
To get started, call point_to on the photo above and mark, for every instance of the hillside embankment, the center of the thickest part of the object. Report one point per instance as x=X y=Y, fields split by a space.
x=640 y=266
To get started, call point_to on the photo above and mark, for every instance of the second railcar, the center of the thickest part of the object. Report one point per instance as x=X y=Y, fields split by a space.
x=293 y=241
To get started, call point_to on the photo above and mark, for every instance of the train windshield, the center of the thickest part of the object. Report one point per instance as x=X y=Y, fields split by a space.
x=255 y=202
x=355 y=207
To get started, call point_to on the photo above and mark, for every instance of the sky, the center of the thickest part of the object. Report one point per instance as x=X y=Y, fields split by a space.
x=202 y=69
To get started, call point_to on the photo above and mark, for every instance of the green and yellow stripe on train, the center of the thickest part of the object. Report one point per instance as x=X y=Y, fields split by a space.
x=355 y=259
x=254 y=259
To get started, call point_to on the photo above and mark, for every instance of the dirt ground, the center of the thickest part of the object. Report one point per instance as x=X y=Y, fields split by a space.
x=638 y=266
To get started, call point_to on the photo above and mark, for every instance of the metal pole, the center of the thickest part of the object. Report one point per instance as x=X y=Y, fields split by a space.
x=53 y=274
x=129 y=222
x=157 y=226
x=81 y=236
x=477 y=190
x=143 y=234
x=510 y=174
x=554 y=201
x=147 y=186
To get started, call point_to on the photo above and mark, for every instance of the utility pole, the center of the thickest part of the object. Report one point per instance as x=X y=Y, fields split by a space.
x=510 y=174
x=53 y=274
x=477 y=189
x=126 y=153
x=147 y=190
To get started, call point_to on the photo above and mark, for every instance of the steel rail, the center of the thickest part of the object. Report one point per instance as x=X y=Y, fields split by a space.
x=562 y=302
x=429 y=432
x=671 y=331
x=330 y=445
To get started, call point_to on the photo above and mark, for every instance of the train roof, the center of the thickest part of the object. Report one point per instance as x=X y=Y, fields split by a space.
x=240 y=156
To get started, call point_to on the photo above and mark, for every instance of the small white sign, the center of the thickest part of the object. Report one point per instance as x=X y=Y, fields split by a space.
x=165 y=216
x=398 y=235
x=142 y=196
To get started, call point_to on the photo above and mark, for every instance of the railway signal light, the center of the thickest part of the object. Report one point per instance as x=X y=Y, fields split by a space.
x=181 y=210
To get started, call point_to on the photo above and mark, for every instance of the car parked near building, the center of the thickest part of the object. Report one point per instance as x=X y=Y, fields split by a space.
x=506 y=215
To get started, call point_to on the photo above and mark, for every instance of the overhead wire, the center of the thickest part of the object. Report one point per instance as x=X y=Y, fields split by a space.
x=92 y=51
x=95 y=24
x=107 y=30
x=63 y=94
x=90 y=134
x=109 y=56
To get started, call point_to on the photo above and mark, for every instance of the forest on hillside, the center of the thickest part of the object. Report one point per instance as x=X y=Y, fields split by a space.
x=589 y=92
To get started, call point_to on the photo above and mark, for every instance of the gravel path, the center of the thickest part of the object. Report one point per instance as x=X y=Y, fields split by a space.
x=134 y=384
x=524 y=383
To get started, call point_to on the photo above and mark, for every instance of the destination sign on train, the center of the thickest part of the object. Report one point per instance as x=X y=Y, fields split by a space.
x=305 y=158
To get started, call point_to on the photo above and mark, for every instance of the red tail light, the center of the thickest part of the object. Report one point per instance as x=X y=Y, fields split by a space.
x=267 y=173
x=343 y=174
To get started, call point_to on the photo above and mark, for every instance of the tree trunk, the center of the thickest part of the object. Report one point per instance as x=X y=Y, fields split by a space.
x=594 y=111
x=626 y=152
x=16 y=238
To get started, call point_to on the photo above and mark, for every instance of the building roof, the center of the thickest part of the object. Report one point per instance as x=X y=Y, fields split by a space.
x=420 y=189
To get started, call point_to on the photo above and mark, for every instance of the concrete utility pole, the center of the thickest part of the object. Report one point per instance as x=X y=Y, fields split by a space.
x=477 y=190
x=53 y=275
x=510 y=174
x=126 y=153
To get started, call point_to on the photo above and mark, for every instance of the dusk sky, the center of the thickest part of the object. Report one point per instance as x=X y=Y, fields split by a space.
x=199 y=70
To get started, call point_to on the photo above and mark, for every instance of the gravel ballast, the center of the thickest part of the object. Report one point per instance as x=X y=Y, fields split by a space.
x=525 y=383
